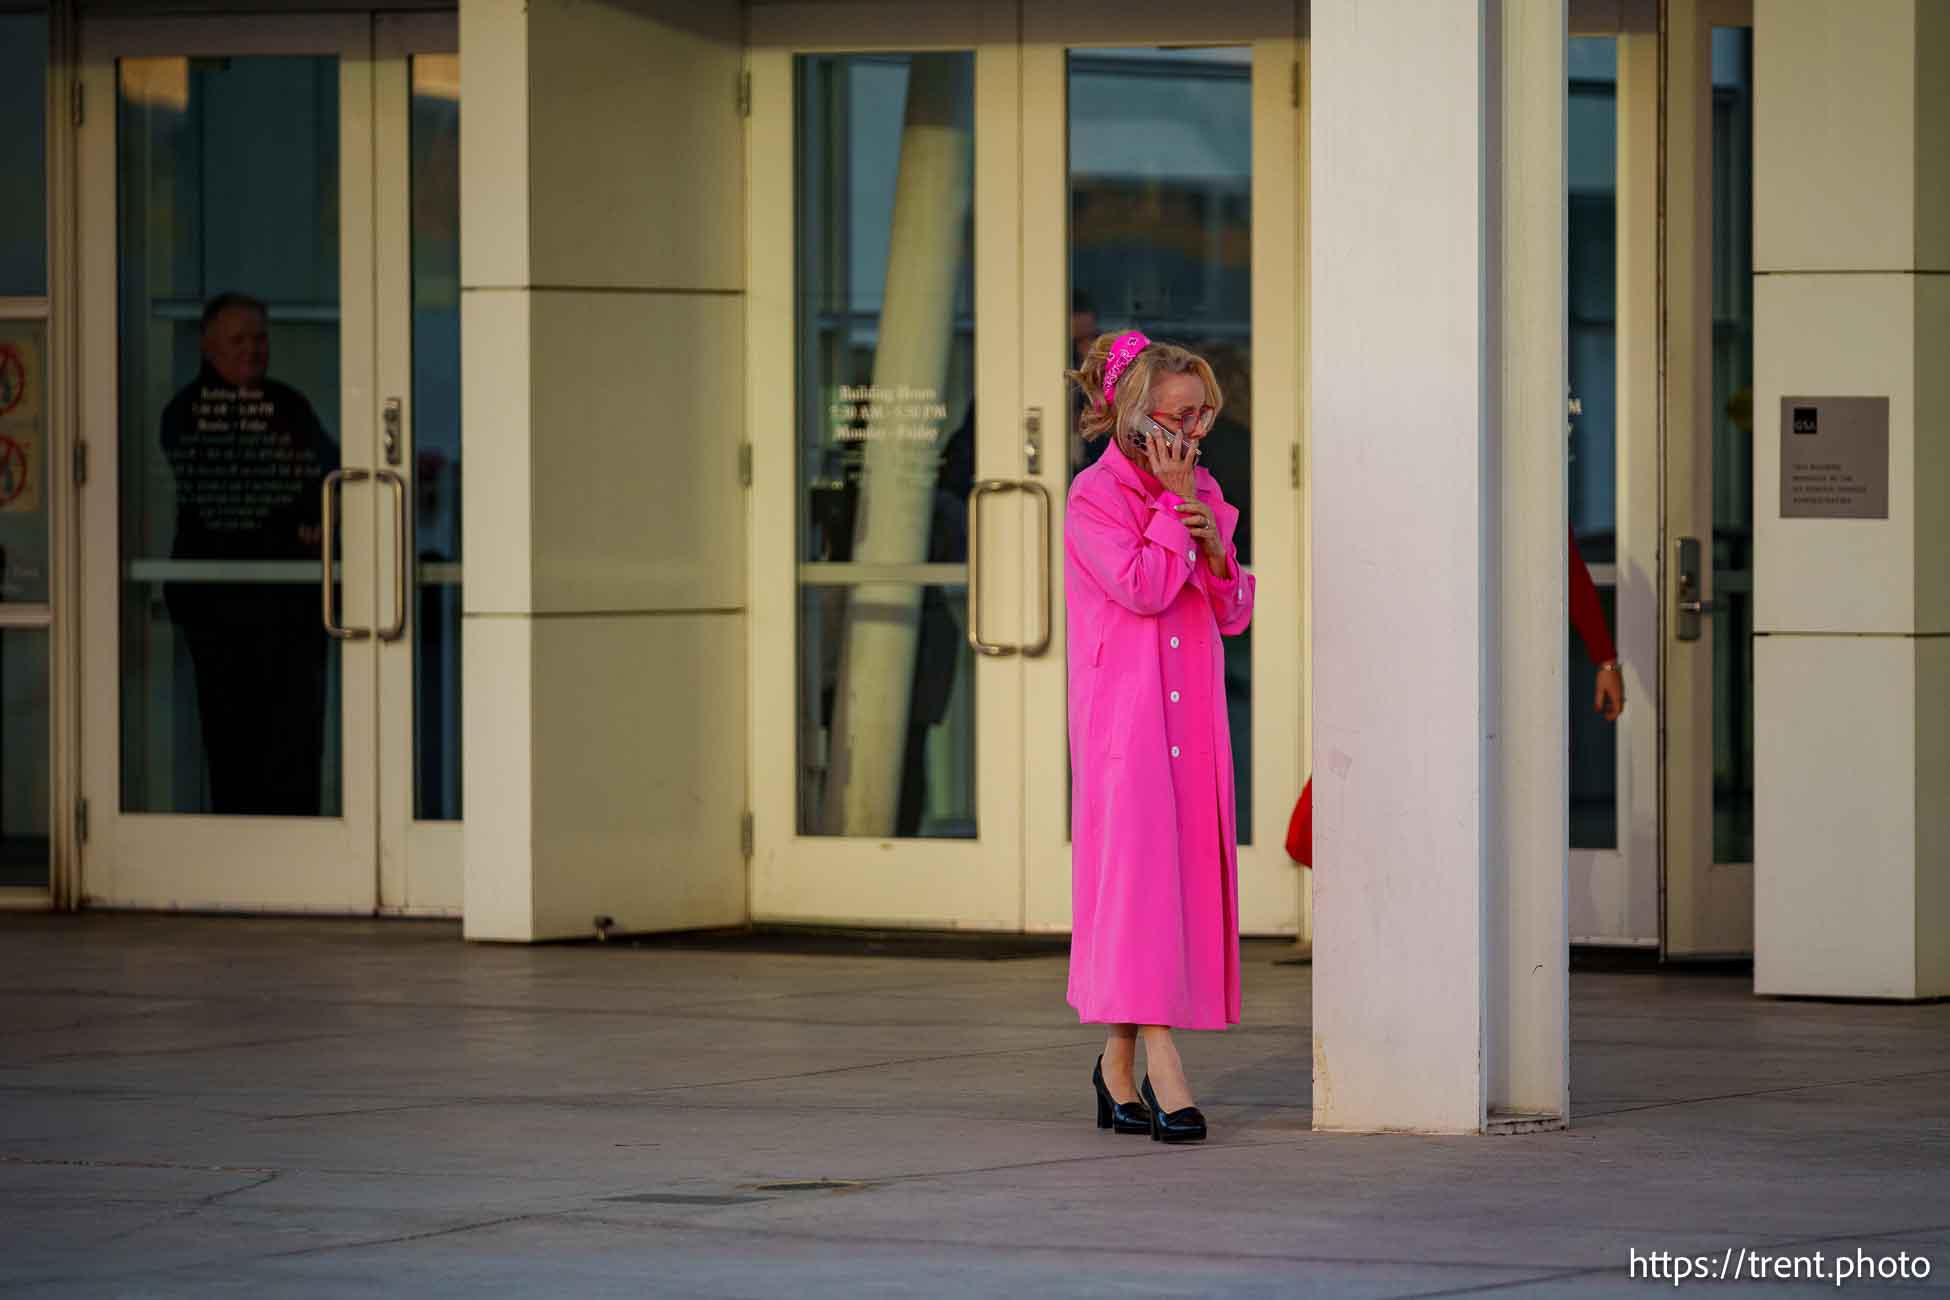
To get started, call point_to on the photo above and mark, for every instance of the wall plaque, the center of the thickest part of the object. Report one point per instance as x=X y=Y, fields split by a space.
x=1834 y=458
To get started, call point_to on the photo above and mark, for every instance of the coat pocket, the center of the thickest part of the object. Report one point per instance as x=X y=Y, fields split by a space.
x=1107 y=720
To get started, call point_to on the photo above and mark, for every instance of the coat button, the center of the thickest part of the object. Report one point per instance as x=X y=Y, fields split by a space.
x=1174 y=751
x=1191 y=556
x=1174 y=643
x=1174 y=697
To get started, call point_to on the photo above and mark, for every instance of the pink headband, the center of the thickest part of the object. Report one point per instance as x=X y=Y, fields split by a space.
x=1122 y=352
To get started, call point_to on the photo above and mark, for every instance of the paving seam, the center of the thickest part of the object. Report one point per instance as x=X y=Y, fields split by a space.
x=228 y=1265
x=1785 y=1245
x=689 y=1010
x=326 y=1171
x=1067 y=1248
x=196 y=1207
x=1763 y=1092
x=151 y=1052
x=1488 y=1287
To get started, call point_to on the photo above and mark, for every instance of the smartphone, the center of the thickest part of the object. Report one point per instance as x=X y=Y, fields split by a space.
x=1144 y=428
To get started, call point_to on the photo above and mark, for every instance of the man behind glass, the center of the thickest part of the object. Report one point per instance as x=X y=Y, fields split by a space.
x=250 y=456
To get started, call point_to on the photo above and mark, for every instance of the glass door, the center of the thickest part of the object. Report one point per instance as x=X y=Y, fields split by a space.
x=1164 y=172
x=227 y=246
x=935 y=227
x=1708 y=471
x=29 y=629
x=417 y=162
x=261 y=321
x=890 y=518
x=1612 y=206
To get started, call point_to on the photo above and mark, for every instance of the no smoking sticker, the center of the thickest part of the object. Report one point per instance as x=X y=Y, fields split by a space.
x=14 y=481
x=20 y=420
x=13 y=380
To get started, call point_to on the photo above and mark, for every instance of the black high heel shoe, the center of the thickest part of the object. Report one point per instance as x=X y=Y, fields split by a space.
x=1123 y=1116
x=1187 y=1125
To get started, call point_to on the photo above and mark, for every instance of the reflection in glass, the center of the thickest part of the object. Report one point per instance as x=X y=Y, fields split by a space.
x=885 y=343
x=25 y=795
x=229 y=303
x=1161 y=201
x=23 y=463
x=1733 y=444
x=436 y=436
x=23 y=155
x=1592 y=177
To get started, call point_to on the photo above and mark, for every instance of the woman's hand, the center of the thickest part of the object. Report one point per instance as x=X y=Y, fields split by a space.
x=1611 y=692
x=1173 y=463
x=1198 y=521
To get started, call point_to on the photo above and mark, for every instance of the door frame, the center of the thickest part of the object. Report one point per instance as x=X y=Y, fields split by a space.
x=1707 y=906
x=1615 y=894
x=420 y=862
x=1274 y=894
x=1660 y=887
x=1016 y=875
x=137 y=860
x=922 y=883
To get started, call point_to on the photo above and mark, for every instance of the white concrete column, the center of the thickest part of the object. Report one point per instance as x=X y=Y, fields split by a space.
x=602 y=178
x=1438 y=542
x=1852 y=616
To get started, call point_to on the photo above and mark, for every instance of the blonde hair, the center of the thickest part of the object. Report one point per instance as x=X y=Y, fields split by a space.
x=1134 y=385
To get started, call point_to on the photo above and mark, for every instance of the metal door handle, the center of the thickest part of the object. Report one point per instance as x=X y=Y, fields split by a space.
x=992 y=487
x=328 y=532
x=397 y=628
x=987 y=487
x=1691 y=605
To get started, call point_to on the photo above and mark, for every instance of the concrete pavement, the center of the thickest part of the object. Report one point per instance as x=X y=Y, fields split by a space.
x=196 y=1106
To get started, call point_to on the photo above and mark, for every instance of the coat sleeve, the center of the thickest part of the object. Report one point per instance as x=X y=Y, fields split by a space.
x=1587 y=613
x=1142 y=571
x=1232 y=595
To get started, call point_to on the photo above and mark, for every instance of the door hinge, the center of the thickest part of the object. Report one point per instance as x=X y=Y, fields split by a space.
x=1293 y=463
x=744 y=464
x=77 y=98
x=80 y=462
x=746 y=832
x=745 y=94
x=81 y=821
x=1296 y=84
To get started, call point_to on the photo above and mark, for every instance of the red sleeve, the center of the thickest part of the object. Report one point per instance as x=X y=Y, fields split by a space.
x=1587 y=615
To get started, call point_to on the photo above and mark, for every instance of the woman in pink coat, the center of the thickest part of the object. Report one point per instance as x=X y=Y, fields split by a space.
x=1151 y=582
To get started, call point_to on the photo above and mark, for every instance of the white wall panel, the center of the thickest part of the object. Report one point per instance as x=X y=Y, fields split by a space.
x=1835 y=159
x=1835 y=801
x=638 y=409
x=637 y=146
x=1933 y=817
x=1837 y=336
x=494 y=172
x=639 y=783
x=497 y=726
x=497 y=539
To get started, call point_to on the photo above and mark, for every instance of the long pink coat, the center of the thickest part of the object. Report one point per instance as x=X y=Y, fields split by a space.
x=1153 y=839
